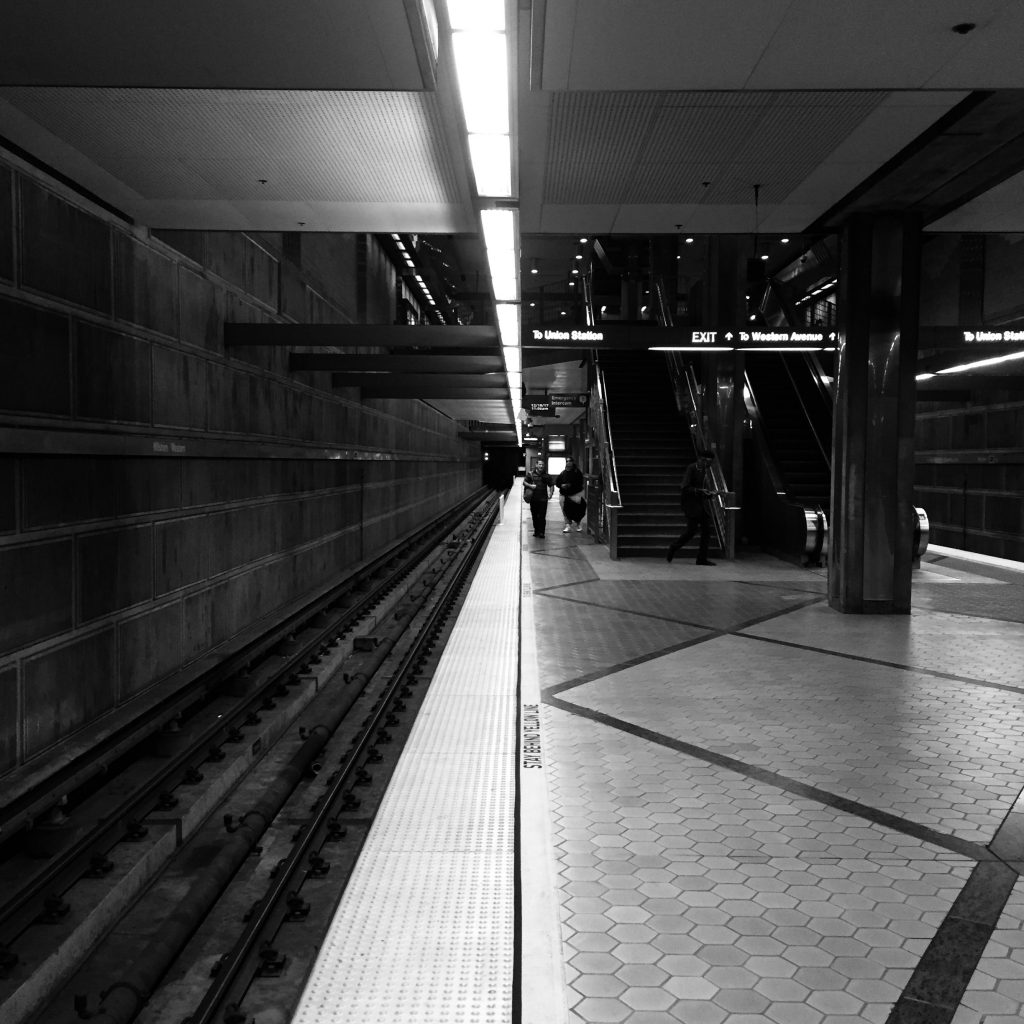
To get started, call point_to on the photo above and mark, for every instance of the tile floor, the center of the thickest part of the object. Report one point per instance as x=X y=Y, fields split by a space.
x=765 y=811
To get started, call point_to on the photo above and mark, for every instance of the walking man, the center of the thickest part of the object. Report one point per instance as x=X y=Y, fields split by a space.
x=695 y=492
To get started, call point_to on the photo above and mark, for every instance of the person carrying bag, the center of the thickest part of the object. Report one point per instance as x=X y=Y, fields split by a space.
x=570 y=485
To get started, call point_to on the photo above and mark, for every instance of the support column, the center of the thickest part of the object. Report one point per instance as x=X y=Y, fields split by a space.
x=872 y=523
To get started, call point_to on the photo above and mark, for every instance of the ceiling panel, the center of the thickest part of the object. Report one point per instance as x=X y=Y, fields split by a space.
x=235 y=144
x=266 y=159
x=780 y=44
x=235 y=44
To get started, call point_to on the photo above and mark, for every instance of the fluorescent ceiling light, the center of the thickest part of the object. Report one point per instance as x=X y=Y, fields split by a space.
x=508 y=324
x=430 y=17
x=487 y=15
x=779 y=348
x=481 y=61
x=499 y=230
x=924 y=376
x=513 y=358
x=491 y=157
x=983 y=362
x=515 y=381
x=688 y=348
x=503 y=275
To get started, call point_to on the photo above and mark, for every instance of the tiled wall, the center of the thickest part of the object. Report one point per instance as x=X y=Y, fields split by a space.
x=144 y=523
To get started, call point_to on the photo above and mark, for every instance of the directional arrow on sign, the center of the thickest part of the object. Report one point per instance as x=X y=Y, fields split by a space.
x=831 y=335
x=728 y=335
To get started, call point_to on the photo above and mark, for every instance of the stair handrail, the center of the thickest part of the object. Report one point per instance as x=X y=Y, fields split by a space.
x=679 y=369
x=587 y=288
x=700 y=444
x=602 y=424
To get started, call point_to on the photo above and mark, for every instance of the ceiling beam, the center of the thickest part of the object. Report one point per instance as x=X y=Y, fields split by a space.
x=360 y=336
x=496 y=382
x=970 y=149
x=433 y=391
x=506 y=436
x=340 y=362
x=485 y=427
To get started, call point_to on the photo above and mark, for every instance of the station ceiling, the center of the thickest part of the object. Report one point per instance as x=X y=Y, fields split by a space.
x=654 y=117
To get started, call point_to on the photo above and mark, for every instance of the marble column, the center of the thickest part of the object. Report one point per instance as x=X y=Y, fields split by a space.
x=872 y=522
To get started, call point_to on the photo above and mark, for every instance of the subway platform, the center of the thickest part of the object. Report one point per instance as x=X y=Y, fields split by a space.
x=732 y=804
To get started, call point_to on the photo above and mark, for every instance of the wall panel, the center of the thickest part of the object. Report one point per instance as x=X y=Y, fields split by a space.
x=145 y=526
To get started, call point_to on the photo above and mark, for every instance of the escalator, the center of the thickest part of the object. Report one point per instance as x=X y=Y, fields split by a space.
x=796 y=414
x=790 y=408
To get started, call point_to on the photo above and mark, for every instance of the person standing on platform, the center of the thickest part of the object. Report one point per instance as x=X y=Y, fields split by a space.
x=537 y=491
x=570 y=486
x=695 y=492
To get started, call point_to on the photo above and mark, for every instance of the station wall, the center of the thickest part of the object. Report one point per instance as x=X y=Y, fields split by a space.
x=160 y=496
x=969 y=447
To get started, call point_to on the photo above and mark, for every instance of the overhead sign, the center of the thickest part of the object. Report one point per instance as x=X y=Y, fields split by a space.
x=986 y=335
x=650 y=336
x=743 y=337
x=545 y=405
x=954 y=337
x=587 y=335
x=752 y=338
x=569 y=400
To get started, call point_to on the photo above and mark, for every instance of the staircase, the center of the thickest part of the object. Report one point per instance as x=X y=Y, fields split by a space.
x=652 y=448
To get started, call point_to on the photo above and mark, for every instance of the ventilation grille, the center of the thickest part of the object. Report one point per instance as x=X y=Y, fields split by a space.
x=660 y=147
x=202 y=144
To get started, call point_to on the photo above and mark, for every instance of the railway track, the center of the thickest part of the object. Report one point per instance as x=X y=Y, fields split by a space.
x=190 y=877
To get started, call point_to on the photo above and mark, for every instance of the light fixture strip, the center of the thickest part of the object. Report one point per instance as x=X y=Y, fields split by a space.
x=993 y=361
x=480 y=48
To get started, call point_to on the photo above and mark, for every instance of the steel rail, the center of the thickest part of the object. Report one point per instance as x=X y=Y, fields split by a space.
x=22 y=908
x=237 y=968
x=125 y=997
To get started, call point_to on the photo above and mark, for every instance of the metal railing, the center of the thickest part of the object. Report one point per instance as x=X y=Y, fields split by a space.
x=600 y=428
x=611 y=496
x=689 y=401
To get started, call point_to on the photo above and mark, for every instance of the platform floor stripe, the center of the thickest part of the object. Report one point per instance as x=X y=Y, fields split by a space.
x=425 y=931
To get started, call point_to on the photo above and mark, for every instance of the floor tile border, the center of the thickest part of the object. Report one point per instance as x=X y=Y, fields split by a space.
x=953 y=844
x=938 y=983
x=936 y=673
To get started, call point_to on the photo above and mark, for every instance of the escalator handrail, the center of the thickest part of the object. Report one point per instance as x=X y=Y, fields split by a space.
x=807 y=415
x=700 y=444
x=757 y=420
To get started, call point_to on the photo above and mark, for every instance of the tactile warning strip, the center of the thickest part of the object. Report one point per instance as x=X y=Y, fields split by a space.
x=424 y=933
